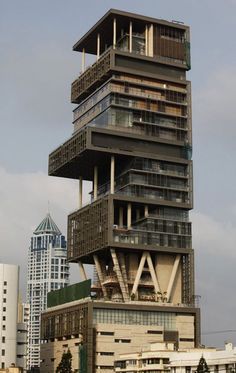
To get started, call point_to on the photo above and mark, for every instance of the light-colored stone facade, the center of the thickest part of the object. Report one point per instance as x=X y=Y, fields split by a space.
x=162 y=358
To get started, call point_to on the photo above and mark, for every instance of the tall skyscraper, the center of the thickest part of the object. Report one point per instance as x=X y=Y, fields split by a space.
x=47 y=270
x=9 y=287
x=132 y=139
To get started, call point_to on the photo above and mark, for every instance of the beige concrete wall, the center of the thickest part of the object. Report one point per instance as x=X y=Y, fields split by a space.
x=138 y=336
x=132 y=266
x=185 y=325
x=51 y=354
x=163 y=266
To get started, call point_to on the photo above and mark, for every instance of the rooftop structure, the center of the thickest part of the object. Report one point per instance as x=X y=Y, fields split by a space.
x=132 y=139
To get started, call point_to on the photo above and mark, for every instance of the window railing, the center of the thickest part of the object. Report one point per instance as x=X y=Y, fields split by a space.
x=148 y=238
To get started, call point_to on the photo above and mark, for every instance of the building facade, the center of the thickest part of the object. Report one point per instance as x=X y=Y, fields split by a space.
x=132 y=139
x=47 y=270
x=9 y=287
x=22 y=336
x=162 y=358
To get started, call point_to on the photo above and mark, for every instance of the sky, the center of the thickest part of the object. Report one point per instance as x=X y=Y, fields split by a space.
x=37 y=66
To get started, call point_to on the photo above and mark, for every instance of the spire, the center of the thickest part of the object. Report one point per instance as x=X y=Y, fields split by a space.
x=47 y=225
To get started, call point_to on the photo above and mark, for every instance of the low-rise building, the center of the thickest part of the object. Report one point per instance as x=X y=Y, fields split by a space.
x=163 y=357
x=9 y=283
x=223 y=361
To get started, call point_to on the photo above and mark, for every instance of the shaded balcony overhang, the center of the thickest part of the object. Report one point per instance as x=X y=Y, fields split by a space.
x=94 y=146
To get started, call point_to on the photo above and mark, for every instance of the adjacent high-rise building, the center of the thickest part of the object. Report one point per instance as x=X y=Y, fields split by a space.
x=47 y=270
x=9 y=287
x=132 y=139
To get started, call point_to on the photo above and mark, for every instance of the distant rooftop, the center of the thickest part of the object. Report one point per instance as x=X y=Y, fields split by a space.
x=47 y=225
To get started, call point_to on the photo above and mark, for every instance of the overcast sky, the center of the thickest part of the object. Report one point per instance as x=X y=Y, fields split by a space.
x=37 y=66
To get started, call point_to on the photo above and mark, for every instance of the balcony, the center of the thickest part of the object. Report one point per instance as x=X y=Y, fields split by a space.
x=121 y=60
x=135 y=237
x=92 y=229
x=150 y=187
x=66 y=152
x=93 y=75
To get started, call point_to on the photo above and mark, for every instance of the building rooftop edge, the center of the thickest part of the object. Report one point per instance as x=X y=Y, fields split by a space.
x=100 y=26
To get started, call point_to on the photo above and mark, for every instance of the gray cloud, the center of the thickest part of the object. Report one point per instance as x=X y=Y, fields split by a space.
x=23 y=200
x=214 y=244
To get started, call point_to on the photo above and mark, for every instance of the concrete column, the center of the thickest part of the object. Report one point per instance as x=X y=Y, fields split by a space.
x=82 y=271
x=114 y=33
x=130 y=37
x=129 y=214
x=95 y=183
x=100 y=274
x=153 y=273
x=83 y=60
x=173 y=276
x=146 y=40
x=137 y=214
x=80 y=192
x=146 y=211
x=121 y=222
x=98 y=46
x=150 y=41
x=112 y=178
x=139 y=272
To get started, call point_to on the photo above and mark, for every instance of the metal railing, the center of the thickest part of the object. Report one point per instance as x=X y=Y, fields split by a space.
x=154 y=239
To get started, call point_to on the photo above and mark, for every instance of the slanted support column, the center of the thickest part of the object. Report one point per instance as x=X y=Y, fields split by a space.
x=100 y=274
x=98 y=46
x=139 y=272
x=121 y=220
x=172 y=277
x=80 y=192
x=114 y=33
x=112 y=180
x=124 y=271
x=153 y=273
x=130 y=37
x=129 y=215
x=137 y=214
x=82 y=271
x=83 y=60
x=95 y=183
x=119 y=275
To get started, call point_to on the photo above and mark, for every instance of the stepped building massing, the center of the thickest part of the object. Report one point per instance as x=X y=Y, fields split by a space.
x=132 y=139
